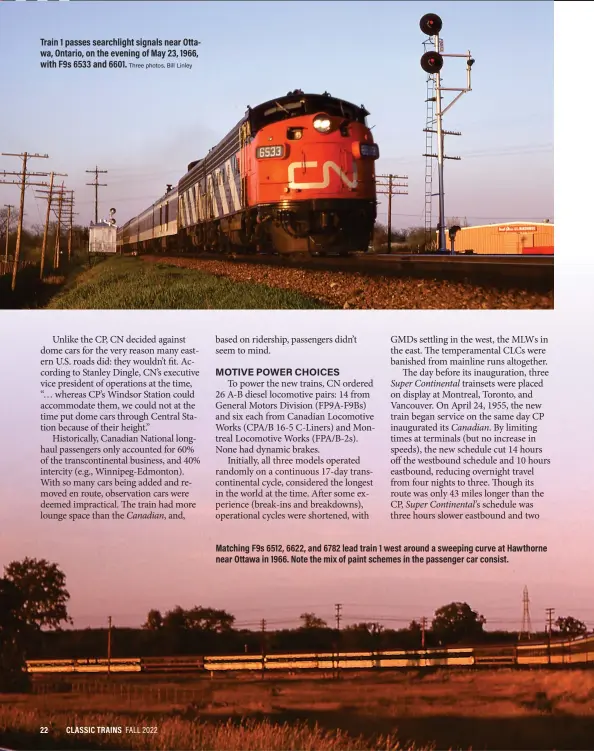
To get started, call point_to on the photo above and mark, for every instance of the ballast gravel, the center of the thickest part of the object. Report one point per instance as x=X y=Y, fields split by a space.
x=357 y=291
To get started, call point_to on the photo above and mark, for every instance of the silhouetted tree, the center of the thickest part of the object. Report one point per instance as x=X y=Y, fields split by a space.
x=415 y=629
x=571 y=627
x=310 y=620
x=43 y=588
x=154 y=620
x=209 y=619
x=366 y=627
x=175 y=619
x=197 y=618
x=13 y=634
x=457 y=622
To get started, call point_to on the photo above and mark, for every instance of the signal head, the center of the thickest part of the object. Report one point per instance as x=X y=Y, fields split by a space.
x=432 y=62
x=430 y=24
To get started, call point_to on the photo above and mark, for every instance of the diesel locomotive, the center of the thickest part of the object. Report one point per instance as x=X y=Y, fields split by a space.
x=295 y=175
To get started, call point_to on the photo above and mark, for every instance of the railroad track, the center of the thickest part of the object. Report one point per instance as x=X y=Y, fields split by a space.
x=508 y=271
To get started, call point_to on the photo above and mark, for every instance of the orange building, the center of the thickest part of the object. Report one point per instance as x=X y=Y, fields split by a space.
x=517 y=238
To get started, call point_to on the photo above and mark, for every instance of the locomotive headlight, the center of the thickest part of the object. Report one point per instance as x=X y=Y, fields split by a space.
x=322 y=124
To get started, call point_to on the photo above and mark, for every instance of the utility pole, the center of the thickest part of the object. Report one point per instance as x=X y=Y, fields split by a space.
x=47 y=217
x=67 y=201
x=389 y=213
x=389 y=189
x=46 y=228
x=97 y=185
x=338 y=609
x=71 y=205
x=9 y=206
x=550 y=612
x=526 y=623
x=423 y=627
x=263 y=638
x=109 y=646
x=23 y=183
x=338 y=615
x=58 y=228
x=432 y=63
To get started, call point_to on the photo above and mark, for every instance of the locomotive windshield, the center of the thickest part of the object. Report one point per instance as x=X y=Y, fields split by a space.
x=296 y=105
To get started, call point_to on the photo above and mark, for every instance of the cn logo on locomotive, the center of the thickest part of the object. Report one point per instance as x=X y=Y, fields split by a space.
x=326 y=167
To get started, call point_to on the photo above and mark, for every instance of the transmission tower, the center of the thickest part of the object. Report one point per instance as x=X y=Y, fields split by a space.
x=526 y=622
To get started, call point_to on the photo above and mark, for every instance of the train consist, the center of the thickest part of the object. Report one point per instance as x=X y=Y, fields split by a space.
x=295 y=175
x=575 y=652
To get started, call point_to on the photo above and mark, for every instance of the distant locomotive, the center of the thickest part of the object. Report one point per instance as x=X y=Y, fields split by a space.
x=295 y=175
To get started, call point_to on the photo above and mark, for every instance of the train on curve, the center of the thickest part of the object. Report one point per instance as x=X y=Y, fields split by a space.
x=569 y=653
x=296 y=175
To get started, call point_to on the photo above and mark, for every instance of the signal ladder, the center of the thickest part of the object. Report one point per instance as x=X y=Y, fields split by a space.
x=429 y=130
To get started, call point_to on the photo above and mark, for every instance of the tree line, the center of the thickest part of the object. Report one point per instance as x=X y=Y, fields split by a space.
x=412 y=239
x=34 y=619
x=32 y=238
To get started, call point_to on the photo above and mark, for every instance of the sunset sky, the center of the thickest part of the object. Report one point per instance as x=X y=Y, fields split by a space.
x=124 y=571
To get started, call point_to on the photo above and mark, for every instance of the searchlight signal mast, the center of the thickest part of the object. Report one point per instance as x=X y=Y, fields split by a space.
x=432 y=63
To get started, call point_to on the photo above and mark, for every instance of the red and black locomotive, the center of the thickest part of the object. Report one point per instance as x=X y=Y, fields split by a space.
x=295 y=175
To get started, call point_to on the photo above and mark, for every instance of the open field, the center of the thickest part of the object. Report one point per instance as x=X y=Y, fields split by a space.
x=504 y=709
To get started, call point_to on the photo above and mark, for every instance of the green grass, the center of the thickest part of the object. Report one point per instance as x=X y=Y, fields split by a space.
x=128 y=283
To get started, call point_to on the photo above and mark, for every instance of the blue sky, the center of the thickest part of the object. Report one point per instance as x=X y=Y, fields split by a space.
x=144 y=126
